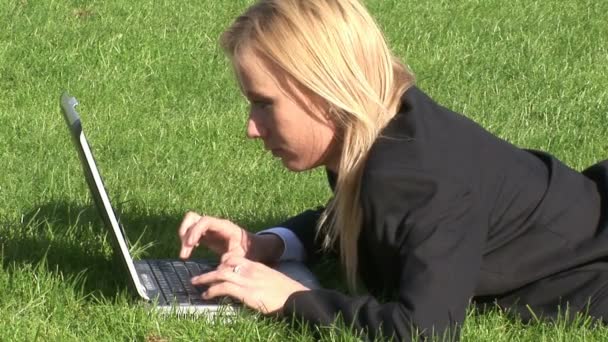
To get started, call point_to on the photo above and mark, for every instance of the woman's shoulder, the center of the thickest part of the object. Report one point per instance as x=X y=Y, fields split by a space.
x=422 y=137
x=398 y=171
x=426 y=137
x=430 y=152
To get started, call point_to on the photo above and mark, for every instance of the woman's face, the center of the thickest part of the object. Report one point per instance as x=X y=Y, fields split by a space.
x=292 y=122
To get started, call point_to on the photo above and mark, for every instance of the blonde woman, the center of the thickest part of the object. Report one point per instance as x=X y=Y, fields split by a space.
x=429 y=212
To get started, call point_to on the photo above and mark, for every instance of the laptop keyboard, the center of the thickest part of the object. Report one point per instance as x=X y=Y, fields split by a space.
x=173 y=278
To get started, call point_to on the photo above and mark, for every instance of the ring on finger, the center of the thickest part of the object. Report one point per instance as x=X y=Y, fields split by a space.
x=237 y=269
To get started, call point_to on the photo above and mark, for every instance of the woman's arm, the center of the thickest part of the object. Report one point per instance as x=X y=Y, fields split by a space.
x=303 y=226
x=439 y=238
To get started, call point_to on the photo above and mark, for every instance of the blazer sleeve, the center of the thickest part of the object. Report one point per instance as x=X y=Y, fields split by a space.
x=438 y=240
x=303 y=226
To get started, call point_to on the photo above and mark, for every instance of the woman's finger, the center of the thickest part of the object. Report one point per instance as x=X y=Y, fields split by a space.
x=193 y=235
x=223 y=259
x=218 y=276
x=239 y=268
x=239 y=265
x=199 y=229
x=232 y=259
x=204 y=225
x=189 y=219
x=225 y=289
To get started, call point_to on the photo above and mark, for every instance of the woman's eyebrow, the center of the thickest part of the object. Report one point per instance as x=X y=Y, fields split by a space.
x=252 y=94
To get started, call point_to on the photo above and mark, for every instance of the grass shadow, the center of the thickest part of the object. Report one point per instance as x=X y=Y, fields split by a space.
x=71 y=239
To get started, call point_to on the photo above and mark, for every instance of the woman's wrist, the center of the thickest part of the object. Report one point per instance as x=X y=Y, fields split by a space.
x=267 y=248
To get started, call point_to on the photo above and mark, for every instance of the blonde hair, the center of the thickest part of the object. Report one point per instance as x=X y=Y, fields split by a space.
x=335 y=49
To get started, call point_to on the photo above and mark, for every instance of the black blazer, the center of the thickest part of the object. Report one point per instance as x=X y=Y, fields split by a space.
x=452 y=213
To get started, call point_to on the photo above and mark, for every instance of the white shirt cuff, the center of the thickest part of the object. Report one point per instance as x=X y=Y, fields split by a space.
x=293 y=249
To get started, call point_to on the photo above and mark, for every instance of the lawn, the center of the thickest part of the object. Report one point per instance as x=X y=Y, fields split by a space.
x=167 y=126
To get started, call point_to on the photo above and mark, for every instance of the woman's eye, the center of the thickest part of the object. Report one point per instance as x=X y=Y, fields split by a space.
x=261 y=104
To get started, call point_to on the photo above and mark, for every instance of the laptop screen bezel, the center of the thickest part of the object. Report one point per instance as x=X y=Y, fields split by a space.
x=98 y=191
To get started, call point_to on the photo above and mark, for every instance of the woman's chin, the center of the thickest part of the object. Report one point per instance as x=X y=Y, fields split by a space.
x=295 y=167
x=293 y=164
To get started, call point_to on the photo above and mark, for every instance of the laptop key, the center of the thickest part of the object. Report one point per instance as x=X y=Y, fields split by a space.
x=193 y=268
x=160 y=278
x=173 y=278
x=175 y=288
x=184 y=277
x=200 y=266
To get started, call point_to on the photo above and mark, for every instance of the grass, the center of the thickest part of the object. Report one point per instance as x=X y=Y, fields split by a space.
x=166 y=123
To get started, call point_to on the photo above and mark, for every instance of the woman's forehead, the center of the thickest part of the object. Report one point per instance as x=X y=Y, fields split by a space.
x=259 y=75
x=253 y=71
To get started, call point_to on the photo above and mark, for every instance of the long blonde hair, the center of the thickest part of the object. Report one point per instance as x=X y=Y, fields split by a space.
x=335 y=49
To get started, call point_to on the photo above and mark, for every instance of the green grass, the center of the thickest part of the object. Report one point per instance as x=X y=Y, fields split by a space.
x=167 y=124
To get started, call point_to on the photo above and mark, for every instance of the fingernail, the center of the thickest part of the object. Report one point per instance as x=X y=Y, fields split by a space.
x=193 y=279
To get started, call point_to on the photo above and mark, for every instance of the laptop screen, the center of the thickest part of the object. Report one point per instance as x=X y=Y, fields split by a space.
x=97 y=188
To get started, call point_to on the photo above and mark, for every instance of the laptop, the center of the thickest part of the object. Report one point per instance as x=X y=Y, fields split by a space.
x=162 y=282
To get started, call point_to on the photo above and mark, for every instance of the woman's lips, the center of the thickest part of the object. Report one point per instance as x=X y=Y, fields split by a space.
x=275 y=152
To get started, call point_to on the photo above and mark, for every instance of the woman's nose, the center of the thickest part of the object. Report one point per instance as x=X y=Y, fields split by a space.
x=254 y=129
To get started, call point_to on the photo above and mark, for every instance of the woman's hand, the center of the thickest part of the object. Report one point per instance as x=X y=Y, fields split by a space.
x=220 y=236
x=255 y=284
x=226 y=239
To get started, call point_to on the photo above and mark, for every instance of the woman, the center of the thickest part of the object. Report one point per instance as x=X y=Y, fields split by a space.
x=429 y=209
